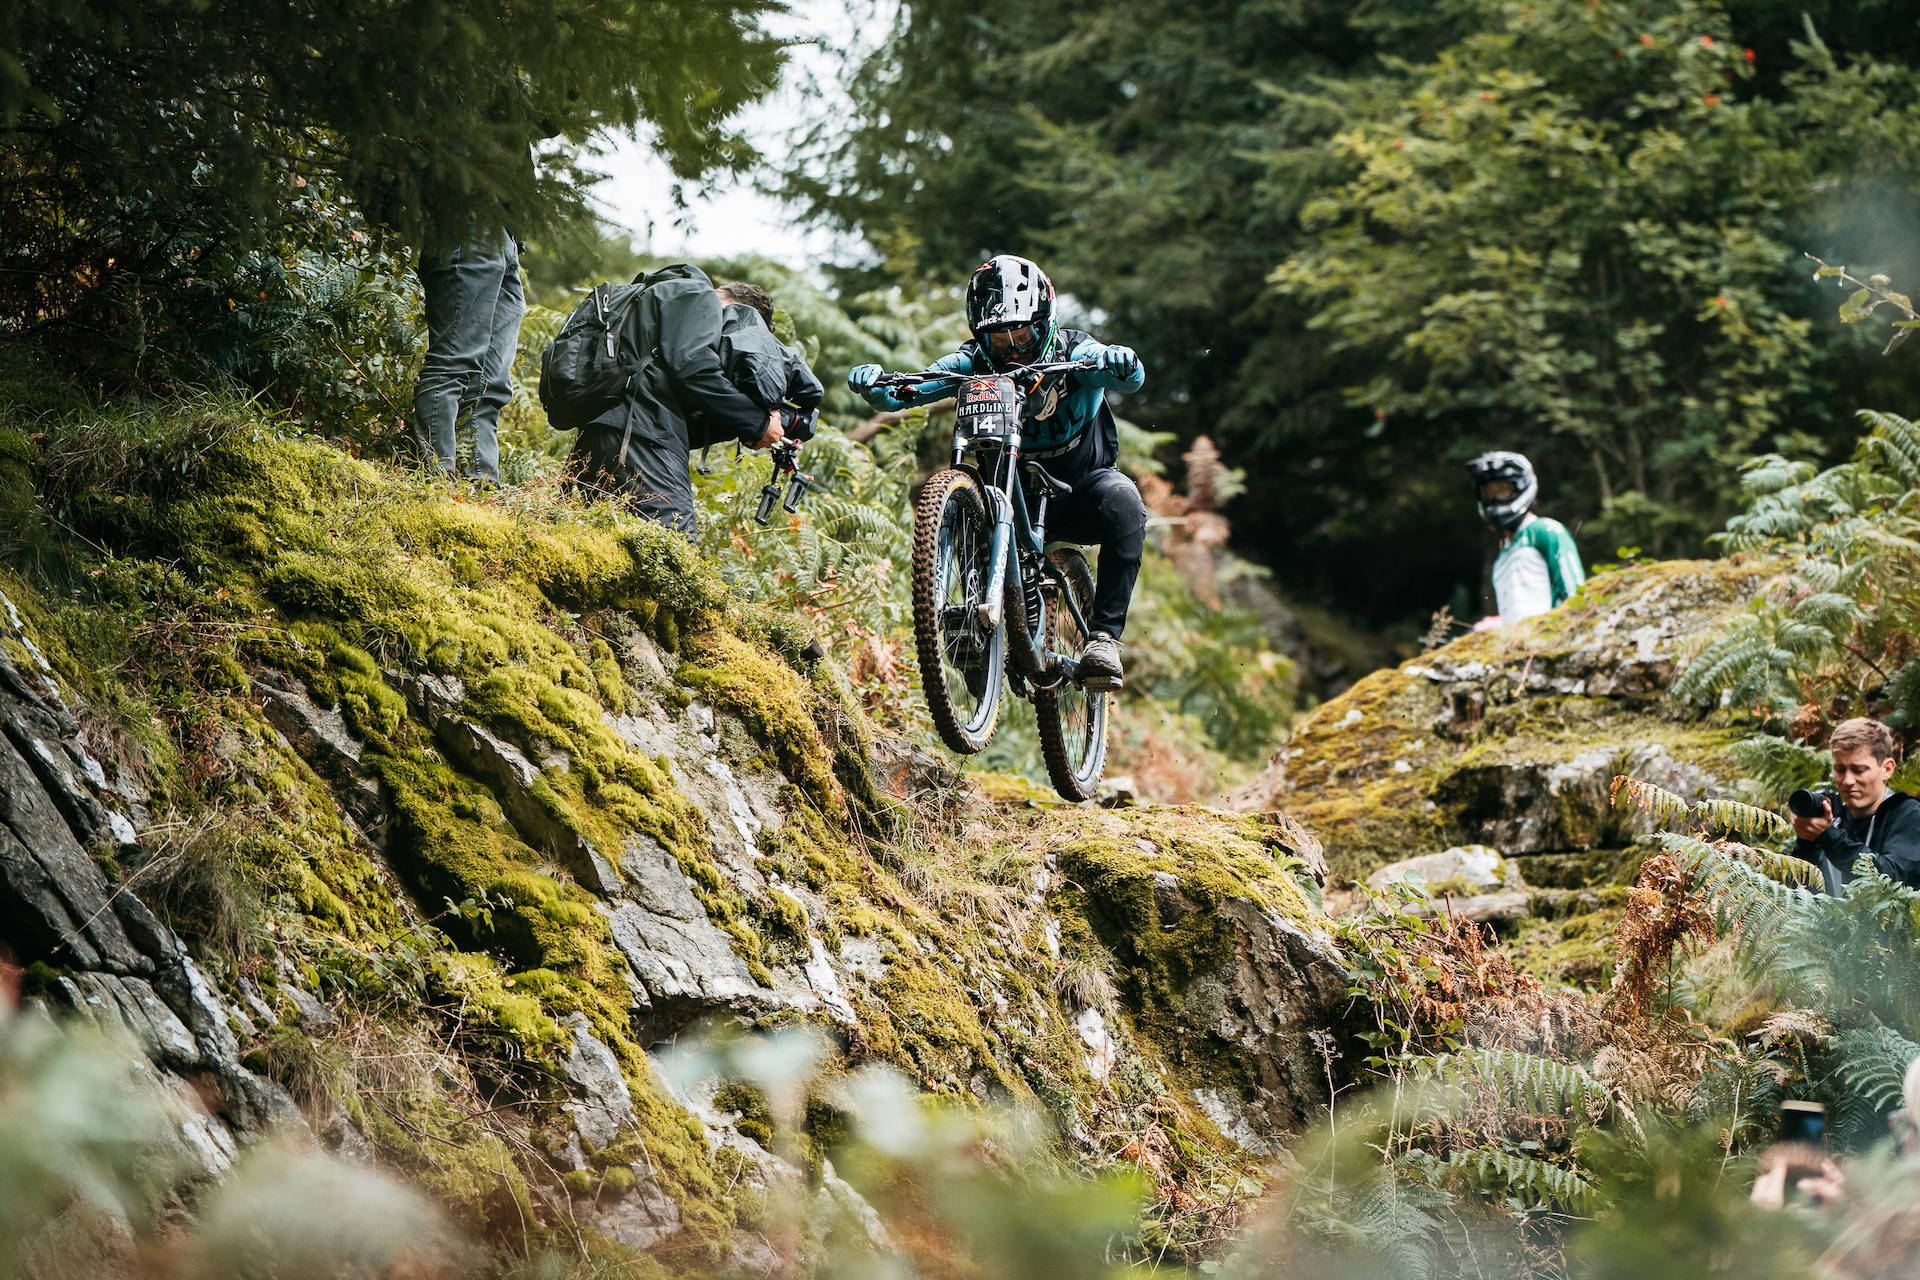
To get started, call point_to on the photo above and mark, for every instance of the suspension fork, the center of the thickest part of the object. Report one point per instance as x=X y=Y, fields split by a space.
x=1005 y=492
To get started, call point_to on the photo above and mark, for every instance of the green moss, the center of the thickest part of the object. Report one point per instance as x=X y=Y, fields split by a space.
x=755 y=1116
x=357 y=582
x=1148 y=886
x=775 y=703
x=783 y=924
x=38 y=978
x=805 y=848
x=1389 y=769
x=488 y=1000
x=18 y=501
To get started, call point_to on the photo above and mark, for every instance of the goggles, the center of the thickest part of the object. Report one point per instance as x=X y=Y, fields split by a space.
x=1016 y=339
x=1497 y=491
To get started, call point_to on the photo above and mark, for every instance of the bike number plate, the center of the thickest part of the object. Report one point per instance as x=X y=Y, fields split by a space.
x=987 y=407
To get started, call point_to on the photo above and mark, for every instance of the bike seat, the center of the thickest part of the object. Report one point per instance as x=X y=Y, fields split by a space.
x=1050 y=486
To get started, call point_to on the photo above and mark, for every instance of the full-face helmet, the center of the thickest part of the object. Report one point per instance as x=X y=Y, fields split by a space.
x=1505 y=485
x=1010 y=310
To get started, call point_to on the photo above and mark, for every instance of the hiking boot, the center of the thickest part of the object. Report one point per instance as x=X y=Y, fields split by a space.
x=1100 y=668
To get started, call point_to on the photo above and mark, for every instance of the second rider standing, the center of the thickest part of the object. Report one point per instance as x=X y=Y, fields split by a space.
x=1069 y=430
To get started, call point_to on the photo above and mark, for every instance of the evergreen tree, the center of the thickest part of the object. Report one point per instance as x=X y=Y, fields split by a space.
x=153 y=148
x=1163 y=161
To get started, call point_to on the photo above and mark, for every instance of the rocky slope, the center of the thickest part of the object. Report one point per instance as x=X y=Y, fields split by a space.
x=1511 y=738
x=425 y=824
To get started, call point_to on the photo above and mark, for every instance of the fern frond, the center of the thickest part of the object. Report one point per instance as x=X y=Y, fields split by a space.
x=1669 y=809
x=1903 y=692
x=1773 y=864
x=1753 y=903
x=1527 y=1179
x=1742 y=819
x=1665 y=807
x=1830 y=612
x=1541 y=1085
x=1739 y=1094
x=1873 y=1063
x=1394 y=1217
x=1893 y=446
x=1776 y=768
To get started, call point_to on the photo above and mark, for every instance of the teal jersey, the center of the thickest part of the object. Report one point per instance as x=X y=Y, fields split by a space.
x=1068 y=421
x=1536 y=570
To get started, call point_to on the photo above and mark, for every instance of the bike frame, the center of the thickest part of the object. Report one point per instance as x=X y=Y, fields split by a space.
x=1018 y=534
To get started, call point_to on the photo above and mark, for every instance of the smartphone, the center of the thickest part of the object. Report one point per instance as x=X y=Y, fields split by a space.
x=1803 y=1122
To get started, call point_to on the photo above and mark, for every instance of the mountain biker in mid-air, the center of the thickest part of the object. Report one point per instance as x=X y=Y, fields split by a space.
x=1069 y=430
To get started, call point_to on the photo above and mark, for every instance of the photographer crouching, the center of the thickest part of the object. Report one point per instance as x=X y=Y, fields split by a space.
x=1862 y=814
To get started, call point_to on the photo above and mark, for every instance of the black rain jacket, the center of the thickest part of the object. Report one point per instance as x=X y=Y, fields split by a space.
x=1890 y=833
x=675 y=331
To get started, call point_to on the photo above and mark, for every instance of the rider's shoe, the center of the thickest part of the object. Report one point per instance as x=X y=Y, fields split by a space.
x=1100 y=668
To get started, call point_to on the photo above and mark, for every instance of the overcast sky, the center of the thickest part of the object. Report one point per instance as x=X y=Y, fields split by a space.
x=727 y=216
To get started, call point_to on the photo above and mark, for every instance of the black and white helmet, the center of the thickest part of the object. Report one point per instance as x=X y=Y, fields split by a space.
x=1505 y=485
x=1011 y=295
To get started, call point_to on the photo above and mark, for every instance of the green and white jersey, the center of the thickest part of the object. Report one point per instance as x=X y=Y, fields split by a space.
x=1536 y=570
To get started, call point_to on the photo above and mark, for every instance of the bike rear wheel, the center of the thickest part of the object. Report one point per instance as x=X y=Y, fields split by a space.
x=960 y=660
x=1072 y=719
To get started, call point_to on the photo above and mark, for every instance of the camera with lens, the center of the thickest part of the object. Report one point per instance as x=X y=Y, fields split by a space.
x=1807 y=804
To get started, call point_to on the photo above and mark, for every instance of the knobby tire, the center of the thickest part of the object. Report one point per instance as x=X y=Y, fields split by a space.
x=952 y=494
x=1072 y=720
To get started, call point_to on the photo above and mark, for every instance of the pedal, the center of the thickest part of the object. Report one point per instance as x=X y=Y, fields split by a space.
x=1104 y=684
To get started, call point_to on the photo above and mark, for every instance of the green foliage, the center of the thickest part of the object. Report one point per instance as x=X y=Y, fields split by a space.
x=1773 y=768
x=1851 y=962
x=161 y=158
x=1656 y=349
x=1524 y=1081
x=90 y=1149
x=1572 y=224
x=1841 y=637
x=1540 y=1182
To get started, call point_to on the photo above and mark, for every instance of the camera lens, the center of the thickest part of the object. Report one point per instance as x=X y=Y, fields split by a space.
x=1808 y=804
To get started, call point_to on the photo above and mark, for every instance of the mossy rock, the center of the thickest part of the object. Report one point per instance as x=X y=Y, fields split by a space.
x=1471 y=743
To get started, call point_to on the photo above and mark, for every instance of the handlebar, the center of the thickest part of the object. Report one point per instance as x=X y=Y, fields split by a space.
x=891 y=380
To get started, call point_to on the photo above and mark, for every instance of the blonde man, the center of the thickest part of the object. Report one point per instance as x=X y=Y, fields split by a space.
x=1873 y=818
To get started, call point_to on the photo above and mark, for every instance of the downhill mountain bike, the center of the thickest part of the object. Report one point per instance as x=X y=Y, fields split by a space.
x=991 y=603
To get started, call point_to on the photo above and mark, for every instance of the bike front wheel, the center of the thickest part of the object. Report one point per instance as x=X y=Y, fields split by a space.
x=960 y=660
x=1072 y=719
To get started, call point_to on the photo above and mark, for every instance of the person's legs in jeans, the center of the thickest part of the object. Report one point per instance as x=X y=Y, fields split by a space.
x=463 y=290
x=496 y=388
x=1105 y=508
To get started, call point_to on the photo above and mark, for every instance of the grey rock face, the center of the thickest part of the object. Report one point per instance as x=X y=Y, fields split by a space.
x=1551 y=806
x=1258 y=1012
x=319 y=735
x=684 y=966
x=122 y=969
x=1283 y=983
x=1464 y=869
x=601 y=1104
x=640 y=1219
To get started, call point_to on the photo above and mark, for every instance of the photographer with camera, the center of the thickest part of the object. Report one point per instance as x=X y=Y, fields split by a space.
x=1862 y=814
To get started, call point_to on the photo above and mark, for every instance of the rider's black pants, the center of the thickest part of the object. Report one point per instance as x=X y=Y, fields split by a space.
x=1104 y=508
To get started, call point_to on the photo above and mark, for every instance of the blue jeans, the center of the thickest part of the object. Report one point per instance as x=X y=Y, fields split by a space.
x=474 y=306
